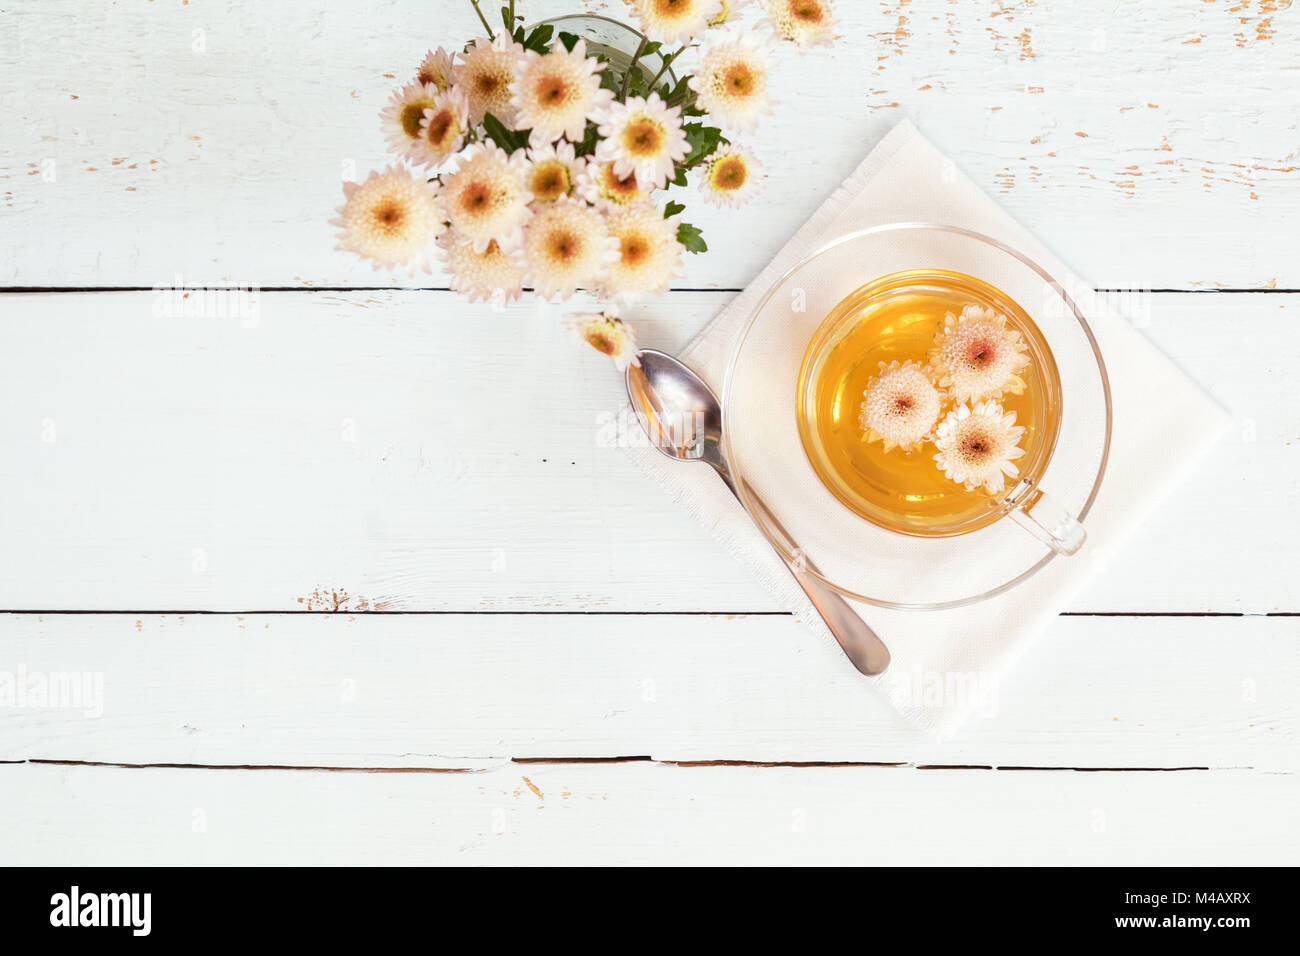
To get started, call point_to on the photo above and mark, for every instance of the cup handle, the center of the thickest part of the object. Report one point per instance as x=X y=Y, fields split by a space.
x=1050 y=523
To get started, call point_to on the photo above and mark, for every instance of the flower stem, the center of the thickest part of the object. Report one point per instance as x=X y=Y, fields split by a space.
x=668 y=60
x=483 y=20
x=622 y=96
x=685 y=98
x=512 y=16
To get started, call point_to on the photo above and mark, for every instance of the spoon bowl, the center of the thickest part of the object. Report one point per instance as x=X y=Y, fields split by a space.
x=677 y=409
x=683 y=418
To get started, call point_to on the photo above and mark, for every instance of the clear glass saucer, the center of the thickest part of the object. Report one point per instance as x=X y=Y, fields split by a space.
x=856 y=557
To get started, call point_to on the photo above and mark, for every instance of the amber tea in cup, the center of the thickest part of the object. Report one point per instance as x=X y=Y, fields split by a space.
x=898 y=414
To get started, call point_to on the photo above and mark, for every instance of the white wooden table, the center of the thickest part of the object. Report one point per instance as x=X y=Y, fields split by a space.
x=360 y=589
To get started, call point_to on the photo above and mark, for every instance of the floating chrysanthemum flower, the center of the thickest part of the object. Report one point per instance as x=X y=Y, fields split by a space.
x=401 y=117
x=649 y=255
x=485 y=197
x=731 y=176
x=978 y=446
x=485 y=72
x=675 y=21
x=900 y=406
x=553 y=172
x=392 y=219
x=567 y=245
x=642 y=137
x=494 y=271
x=807 y=22
x=608 y=334
x=977 y=356
x=603 y=187
x=556 y=92
x=732 y=79
x=442 y=128
x=436 y=68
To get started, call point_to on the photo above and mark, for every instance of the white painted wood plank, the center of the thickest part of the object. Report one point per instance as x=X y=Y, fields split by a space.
x=394 y=449
x=646 y=814
x=1153 y=145
x=465 y=691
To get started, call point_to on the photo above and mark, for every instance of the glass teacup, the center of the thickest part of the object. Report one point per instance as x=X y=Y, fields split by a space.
x=896 y=320
x=885 y=524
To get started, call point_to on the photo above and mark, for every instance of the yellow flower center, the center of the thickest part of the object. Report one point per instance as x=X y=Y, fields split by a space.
x=675 y=9
x=739 y=79
x=442 y=129
x=807 y=10
x=981 y=353
x=563 y=246
x=410 y=117
x=633 y=249
x=389 y=217
x=476 y=197
x=549 y=181
x=643 y=137
x=618 y=188
x=553 y=90
x=601 y=342
x=975 y=447
x=729 y=174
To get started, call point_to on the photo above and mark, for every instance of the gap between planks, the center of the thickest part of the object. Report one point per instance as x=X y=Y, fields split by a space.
x=570 y=761
x=58 y=289
x=498 y=612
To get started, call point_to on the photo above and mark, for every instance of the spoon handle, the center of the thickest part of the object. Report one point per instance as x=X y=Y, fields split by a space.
x=861 y=645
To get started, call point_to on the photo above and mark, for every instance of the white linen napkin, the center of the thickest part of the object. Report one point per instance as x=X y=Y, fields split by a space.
x=945 y=662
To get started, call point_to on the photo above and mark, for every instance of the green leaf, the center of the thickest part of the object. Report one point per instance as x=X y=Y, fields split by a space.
x=703 y=141
x=610 y=79
x=690 y=238
x=505 y=19
x=636 y=84
x=651 y=48
x=672 y=209
x=507 y=139
x=589 y=140
x=668 y=91
x=569 y=40
x=540 y=38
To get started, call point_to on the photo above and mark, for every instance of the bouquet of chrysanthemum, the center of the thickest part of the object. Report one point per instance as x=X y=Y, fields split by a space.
x=547 y=159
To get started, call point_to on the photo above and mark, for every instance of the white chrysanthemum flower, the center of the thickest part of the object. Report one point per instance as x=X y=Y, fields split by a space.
x=392 y=219
x=649 y=255
x=485 y=72
x=977 y=356
x=493 y=271
x=553 y=171
x=642 y=137
x=731 y=80
x=808 y=23
x=556 y=92
x=731 y=176
x=603 y=187
x=567 y=245
x=442 y=129
x=977 y=446
x=401 y=117
x=674 y=21
x=900 y=406
x=607 y=334
x=436 y=68
x=485 y=197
